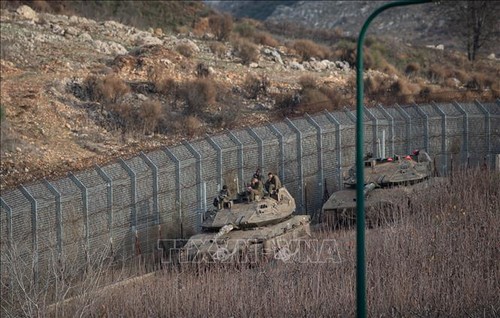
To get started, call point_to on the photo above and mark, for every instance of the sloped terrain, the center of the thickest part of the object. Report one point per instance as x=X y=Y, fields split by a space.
x=76 y=92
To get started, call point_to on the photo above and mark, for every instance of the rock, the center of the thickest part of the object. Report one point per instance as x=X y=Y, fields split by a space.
x=189 y=43
x=72 y=31
x=440 y=47
x=296 y=66
x=277 y=56
x=253 y=65
x=141 y=97
x=144 y=38
x=27 y=13
x=85 y=37
x=109 y=48
x=492 y=56
x=57 y=29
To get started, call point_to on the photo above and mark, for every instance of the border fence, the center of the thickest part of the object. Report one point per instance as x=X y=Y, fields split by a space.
x=129 y=205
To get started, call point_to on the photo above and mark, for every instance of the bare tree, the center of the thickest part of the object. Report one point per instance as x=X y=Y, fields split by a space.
x=475 y=22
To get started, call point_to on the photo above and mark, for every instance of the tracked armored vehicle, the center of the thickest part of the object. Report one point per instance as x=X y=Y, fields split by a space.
x=388 y=184
x=247 y=231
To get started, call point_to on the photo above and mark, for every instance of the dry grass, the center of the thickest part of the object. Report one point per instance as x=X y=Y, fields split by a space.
x=440 y=258
x=308 y=49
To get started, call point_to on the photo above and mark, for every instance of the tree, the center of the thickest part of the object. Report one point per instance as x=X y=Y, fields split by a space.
x=475 y=22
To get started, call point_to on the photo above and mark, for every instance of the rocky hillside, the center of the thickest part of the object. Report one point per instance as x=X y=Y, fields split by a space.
x=423 y=24
x=76 y=92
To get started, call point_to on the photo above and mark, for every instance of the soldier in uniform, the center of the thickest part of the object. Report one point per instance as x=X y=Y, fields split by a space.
x=273 y=183
x=255 y=189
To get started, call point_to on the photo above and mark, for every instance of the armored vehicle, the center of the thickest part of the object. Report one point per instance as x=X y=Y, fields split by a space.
x=388 y=183
x=246 y=231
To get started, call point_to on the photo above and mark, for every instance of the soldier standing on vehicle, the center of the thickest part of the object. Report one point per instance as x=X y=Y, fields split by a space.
x=273 y=183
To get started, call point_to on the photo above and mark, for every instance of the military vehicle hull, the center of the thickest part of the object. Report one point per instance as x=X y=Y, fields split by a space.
x=247 y=231
x=388 y=187
x=245 y=246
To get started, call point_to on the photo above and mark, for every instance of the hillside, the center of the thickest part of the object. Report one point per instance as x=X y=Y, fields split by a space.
x=76 y=92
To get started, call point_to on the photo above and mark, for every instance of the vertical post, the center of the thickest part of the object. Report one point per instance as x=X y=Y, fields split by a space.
x=360 y=201
x=199 y=177
x=299 y=160
x=219 y=159
x=444 y=150
x=338 y=146
x=240 y=153
x=85 y=210
x=487 y=127
x=374 y=132
x=154 y=169
x=10 y=241
x=34 y=232
x=408 y=126
x=109 y=194
x=261 y=146
x=426 y=126
x=390 y=119
x=465 y=143
x=57 y=196
x=282 y=150
x=319 y=138
x=133 y=194
x=178 y=194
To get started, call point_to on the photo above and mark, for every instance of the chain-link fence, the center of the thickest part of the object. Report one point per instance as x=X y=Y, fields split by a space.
x=129 y=205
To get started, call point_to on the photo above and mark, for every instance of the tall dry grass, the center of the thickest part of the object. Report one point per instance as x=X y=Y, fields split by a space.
x=440 y=258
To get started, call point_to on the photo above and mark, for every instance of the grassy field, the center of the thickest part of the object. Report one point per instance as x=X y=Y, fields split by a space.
x=439 y=259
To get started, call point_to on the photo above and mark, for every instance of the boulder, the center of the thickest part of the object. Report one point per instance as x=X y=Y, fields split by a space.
x=27 y=13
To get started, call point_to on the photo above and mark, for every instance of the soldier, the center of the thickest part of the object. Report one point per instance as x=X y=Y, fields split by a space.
x=257 y=175
x=224 y=198
x=255 y=189
x=273 y=183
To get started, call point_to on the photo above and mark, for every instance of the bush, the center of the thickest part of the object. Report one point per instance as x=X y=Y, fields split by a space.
x=307 y=82
x=412 y=69
x=313 y=100
x=246 y=50
x=218 y=49
x=185 y=50
x=255 y=85
x=113 y=87
x=221 y=26
x=308 y=49
x=150 y=113
x=265 y=38
x=199 y=94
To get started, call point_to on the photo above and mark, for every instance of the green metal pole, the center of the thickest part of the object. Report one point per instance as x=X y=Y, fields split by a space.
x=360 y=198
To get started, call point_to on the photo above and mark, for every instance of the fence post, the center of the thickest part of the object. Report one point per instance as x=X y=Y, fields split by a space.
x=109 y=190
x=199 y=178
x=219 y=159
x=338 y=146
x=133 y=198
x=426 y=126
x=319 y=137
x=261 y=147
x=465 y=130
x=405 y=114
x=375 y=138
x=8 y=211
x=487 y=128
x=154 y=169
x=85 y=211
x=58 y=224
x=282 y=150
x=240 y=153
x=390 y=119
x=444 y=163
x=299 y=160
x=178 y=189
x=34 y=233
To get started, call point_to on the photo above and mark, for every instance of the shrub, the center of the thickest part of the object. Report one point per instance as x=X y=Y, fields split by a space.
x=287 y=103
x=307 y=82
x=199 y=94
x=245 y=29
x=265 y=38
x=246 y=50
x=185 y=50
x=192 y=125
x=150 y=112
x=412 y=69
x=221 y=26
x=437 y=73
x=255 y=85
x=202 y=70
x=218 y=49
x=112 y=87
x=337 y=99
x=308 y=49
x=313 y=100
